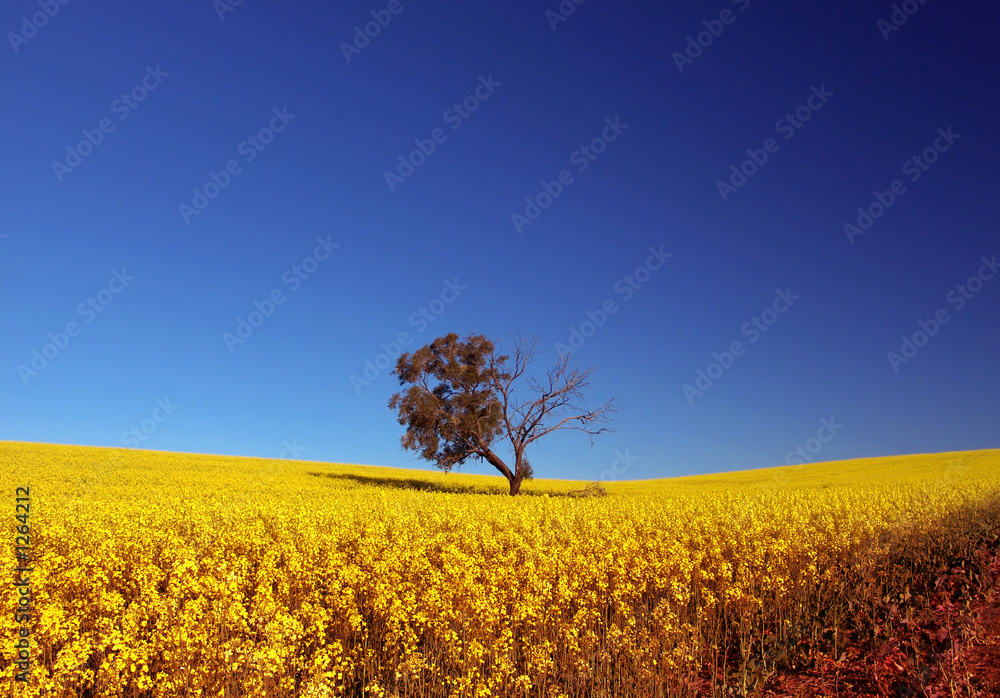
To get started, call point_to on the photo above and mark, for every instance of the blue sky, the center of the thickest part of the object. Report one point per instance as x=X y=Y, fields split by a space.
x=235 y=152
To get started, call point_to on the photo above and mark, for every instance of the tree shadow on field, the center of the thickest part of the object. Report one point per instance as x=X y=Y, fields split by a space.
x=426 y=486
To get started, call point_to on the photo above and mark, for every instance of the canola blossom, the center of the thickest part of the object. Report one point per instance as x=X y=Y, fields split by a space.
x=161 y=575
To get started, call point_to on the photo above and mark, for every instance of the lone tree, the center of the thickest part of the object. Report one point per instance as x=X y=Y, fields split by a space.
x=460 y=402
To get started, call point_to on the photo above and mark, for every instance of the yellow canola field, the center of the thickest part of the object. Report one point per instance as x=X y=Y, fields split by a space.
x=158 y=574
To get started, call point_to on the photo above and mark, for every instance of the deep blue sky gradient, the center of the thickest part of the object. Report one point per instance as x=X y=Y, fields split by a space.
x=655 y=185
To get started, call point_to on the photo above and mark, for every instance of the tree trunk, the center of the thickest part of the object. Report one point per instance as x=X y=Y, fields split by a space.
x=514 y=478
x=515 y=481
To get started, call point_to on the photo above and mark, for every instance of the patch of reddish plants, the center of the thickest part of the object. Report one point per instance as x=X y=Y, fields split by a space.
x=938 y=637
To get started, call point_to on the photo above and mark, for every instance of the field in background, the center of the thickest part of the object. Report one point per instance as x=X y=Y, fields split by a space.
x=179 y=575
